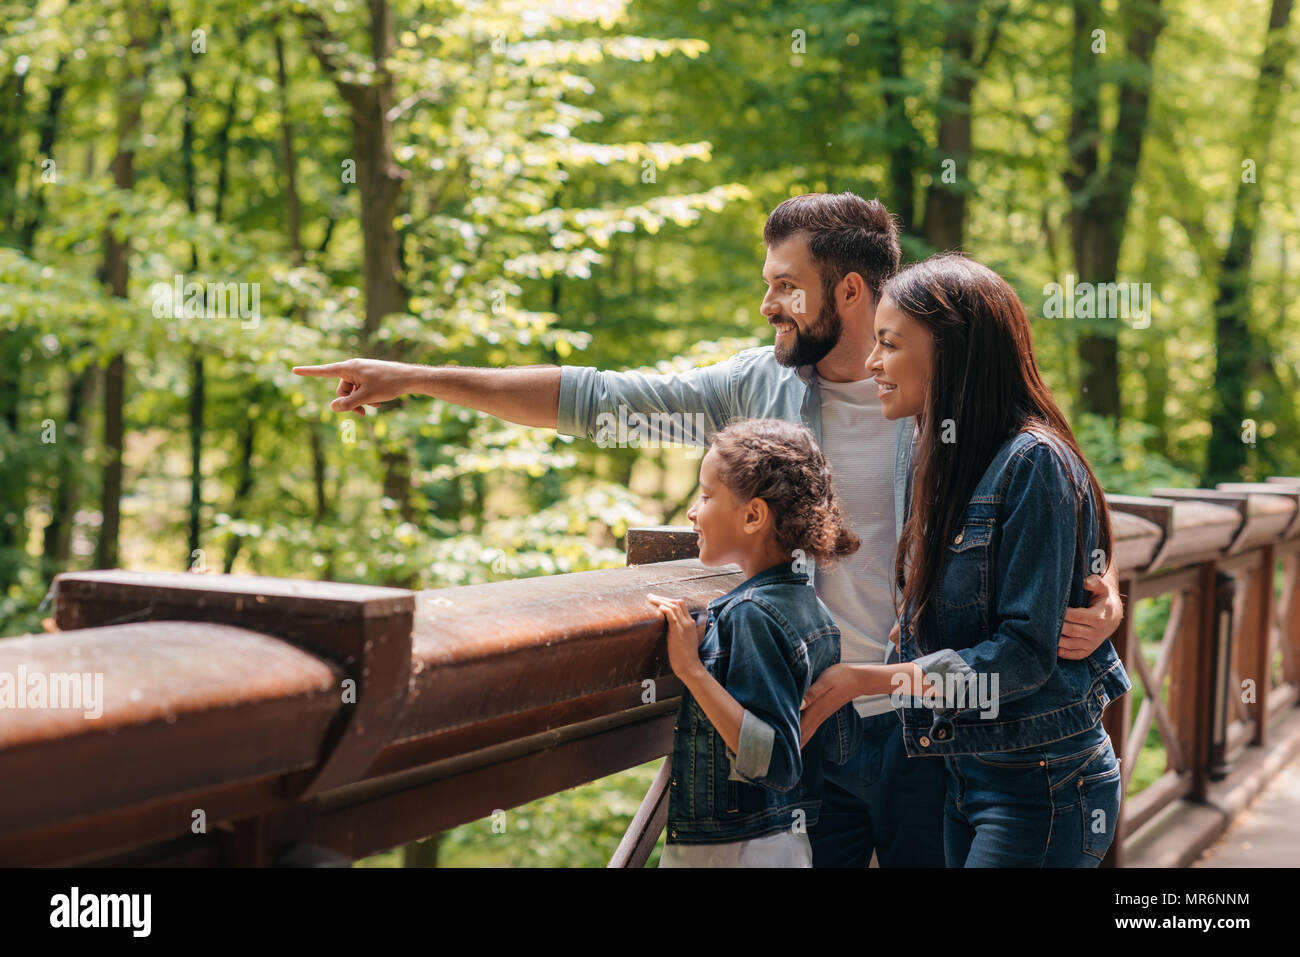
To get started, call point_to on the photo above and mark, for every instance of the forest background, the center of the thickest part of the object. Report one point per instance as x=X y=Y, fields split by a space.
x=510 y=182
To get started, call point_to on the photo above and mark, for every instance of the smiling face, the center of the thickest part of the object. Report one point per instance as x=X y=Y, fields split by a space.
x=724 y=525
x=902 y=361
x=794 y=295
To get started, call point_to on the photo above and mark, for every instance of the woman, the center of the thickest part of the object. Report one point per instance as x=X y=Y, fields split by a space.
x=1005 y=519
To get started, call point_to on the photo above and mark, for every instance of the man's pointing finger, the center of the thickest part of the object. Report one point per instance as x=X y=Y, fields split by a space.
x=325 y=371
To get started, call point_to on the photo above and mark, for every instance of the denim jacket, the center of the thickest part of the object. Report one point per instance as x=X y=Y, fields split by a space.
x=768 y=639
x=1013 y=568
x=749 y=385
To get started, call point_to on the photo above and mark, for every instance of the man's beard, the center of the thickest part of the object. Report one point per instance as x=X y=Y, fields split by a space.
x=815 y=343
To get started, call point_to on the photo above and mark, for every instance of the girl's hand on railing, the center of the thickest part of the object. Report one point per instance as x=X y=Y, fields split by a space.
x=684 y=635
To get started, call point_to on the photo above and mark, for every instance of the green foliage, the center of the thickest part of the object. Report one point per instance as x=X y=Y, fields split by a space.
x=580 y=827
x=1122 y=458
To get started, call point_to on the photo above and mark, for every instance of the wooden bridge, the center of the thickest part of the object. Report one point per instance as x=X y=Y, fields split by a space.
x=261 y=721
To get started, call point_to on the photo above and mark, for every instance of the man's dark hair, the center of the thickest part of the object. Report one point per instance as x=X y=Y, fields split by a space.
x=846 y=233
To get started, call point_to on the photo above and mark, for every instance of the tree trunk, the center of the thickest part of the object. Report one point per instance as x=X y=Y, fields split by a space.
x=294 y=224
x=1100 y=196
x=57 y=548
x=113 y=274
x=13 y=492
x=1157 y=359
x=244 y=483
x=57 y=545
x=12 y=120
x=15 y=456
x=945 y=203
x=290 y=157
x=106 y=551
x=379 y=181
x=1229 y=432
x=197 y=381
x=905 y=148
x=379 y=178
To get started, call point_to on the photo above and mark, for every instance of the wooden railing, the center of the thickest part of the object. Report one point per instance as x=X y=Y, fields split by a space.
x=256 y=721
x=1216 y=560
x=253 y=720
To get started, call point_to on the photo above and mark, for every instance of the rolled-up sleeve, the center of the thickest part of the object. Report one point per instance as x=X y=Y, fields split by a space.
x=700 y=400
x=755 y=755
x=577 y=399
x=763 y=680
x=941 y=663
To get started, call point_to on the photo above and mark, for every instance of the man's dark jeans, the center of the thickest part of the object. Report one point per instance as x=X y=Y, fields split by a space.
x=881 y=801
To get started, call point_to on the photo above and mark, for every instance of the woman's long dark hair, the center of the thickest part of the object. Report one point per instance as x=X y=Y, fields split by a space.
x=985 y=387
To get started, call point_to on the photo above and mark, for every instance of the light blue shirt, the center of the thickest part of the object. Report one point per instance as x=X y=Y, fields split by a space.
x=749 y=385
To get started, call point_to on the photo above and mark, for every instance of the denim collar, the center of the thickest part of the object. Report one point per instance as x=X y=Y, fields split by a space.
x=777 y=574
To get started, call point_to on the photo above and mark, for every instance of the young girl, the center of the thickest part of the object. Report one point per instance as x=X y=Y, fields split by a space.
x=1004 y=521
x=740 y=795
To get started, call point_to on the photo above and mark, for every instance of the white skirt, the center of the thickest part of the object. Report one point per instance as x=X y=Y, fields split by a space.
x=782 y=849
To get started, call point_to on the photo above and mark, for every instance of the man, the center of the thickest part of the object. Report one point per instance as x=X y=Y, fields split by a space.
x=827 y=258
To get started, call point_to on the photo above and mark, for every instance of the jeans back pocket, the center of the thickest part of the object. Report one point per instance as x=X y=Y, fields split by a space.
x=1099 y=785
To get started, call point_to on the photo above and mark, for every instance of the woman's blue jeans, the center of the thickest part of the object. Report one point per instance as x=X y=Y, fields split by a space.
x=1053 y=806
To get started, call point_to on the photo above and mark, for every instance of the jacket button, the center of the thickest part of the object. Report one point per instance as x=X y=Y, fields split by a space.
x=925 y=742
x=958 y=539
x=1042 y=764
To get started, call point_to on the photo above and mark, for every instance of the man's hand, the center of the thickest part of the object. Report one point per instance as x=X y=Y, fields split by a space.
x=362 y=382
x=1086 y=628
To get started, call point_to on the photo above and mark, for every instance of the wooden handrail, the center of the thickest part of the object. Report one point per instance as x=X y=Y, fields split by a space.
x=491 y=678
x=247 y=720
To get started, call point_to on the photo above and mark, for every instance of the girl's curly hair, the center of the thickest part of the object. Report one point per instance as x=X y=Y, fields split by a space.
x=782 y=464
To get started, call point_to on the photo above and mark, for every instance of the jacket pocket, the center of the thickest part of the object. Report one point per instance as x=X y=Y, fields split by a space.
x=965 y=578
x=743 y=799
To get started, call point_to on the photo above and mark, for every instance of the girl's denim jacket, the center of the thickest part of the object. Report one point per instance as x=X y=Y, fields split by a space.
x=768 y=639
x=1012 y=569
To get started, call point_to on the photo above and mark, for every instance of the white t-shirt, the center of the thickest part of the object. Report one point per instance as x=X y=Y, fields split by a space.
x=861 y=445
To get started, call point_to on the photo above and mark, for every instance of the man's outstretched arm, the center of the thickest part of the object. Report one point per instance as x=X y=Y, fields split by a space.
x=527 y=395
